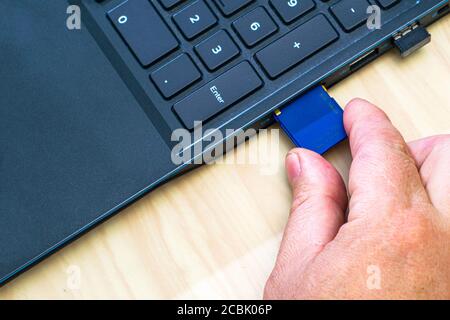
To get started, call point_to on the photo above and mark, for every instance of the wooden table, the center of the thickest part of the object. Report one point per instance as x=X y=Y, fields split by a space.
x=214 y=233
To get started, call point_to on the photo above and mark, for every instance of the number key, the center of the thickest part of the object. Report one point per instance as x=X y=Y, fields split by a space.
x=195 y=19
x=289 y=10
x=255 y=26
x=141 y=27
x=217 y=50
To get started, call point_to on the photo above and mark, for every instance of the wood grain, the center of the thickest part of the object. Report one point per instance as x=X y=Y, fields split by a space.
x=214 y=233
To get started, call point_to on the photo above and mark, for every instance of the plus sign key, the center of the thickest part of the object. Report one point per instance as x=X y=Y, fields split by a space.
x=296 y=46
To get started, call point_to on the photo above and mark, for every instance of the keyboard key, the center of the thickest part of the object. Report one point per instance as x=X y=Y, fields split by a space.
x=350 y=13
x=217 y=50
x=143 y=30
x=255 y=26
x=195 y=19
x=296 y=46
x=169 y=3
x=175 y=76
x=217 y=95
x=228 y=7
x=289 y=10
x=386 y=4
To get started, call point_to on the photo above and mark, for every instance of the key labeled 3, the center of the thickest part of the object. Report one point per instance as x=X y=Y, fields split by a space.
x=217 y=50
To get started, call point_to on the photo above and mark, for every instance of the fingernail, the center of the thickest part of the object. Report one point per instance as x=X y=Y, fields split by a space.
x=293 y=167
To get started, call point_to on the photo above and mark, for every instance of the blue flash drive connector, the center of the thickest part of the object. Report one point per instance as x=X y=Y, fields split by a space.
x=314 y=121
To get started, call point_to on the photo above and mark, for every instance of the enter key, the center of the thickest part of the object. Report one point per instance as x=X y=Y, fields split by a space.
x=218 y=94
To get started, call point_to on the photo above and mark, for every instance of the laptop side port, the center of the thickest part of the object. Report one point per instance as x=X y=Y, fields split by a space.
x=357 y=64
x=445 y=9
x=364 y=59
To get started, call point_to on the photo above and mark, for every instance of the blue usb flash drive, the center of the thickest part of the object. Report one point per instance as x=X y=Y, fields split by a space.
x=314 y=121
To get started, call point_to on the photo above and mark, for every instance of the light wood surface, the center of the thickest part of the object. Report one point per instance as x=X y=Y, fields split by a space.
x=214 y=233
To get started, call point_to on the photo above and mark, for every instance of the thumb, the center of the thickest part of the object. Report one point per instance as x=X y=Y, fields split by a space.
x=318 y=208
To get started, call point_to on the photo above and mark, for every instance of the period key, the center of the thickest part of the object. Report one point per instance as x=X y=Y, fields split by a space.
x=175 y=76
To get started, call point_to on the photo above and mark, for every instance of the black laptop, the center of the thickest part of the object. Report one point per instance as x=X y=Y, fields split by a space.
x=91 y=91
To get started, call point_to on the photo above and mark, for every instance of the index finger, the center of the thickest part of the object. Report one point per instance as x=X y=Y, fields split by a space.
x=383 y=174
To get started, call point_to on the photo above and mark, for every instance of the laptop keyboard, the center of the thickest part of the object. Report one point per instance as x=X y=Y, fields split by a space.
x=150 y=39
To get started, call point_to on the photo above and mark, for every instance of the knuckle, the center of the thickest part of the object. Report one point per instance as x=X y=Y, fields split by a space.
x=307 y=195
x=389 y=139
x=377 y=139
x=301 y=195
x=398 y=146
x=387 y=156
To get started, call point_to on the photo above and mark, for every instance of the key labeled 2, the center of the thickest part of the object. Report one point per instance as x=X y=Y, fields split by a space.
x=195 y=19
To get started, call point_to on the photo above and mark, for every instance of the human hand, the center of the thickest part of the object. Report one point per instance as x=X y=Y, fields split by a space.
x=395 y=241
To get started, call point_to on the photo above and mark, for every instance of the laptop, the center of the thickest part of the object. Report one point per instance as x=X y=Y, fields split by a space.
x=92 y=90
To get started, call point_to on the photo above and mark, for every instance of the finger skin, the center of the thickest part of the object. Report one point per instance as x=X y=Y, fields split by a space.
x=421 y=149
x=383 y=173
x=432 y=155
x=319 y=204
